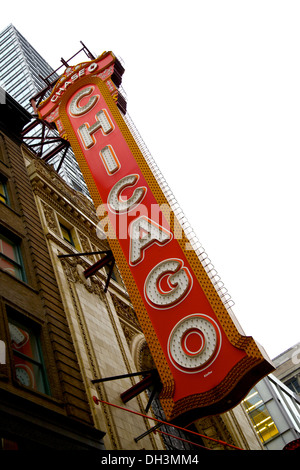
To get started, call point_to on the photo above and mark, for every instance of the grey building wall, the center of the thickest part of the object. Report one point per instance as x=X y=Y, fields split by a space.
x=288 y=368
x=22 y=70
x=275 y=412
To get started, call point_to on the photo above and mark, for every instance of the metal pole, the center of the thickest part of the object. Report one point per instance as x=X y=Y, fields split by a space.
x=116 y=377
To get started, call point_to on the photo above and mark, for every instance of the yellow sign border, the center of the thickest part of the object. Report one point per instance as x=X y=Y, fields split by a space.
x=254 y=357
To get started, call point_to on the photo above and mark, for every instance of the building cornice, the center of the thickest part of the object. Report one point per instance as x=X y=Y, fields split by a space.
x=46 y=180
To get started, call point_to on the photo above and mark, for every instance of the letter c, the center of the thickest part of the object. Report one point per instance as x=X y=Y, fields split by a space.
x=77 y=110
x=115 y=202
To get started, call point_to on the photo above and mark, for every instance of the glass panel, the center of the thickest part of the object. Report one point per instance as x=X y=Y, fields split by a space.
x=66 y=233
x=22 y=341
x=252 y=400
x=7 y=444
x=292 y=411
x=263 y=423
x=27 y=359
x=10 y=261
x=3 y=192
x=294 y=384
x=261 y=418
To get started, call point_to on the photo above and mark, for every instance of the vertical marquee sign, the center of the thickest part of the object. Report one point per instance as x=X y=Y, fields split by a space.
x=205 y=364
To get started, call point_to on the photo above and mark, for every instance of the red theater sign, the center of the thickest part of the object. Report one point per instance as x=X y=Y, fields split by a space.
x=206 y=365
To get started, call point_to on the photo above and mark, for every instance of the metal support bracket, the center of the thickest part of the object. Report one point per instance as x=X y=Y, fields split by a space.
x=151 y=379
x=123 y=376
x=108 y=260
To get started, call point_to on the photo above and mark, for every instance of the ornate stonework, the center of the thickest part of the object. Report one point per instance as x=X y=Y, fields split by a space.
x=50 y=217
x=105 y=329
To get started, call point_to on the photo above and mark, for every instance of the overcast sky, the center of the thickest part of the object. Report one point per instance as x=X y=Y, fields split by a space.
x=214 y=90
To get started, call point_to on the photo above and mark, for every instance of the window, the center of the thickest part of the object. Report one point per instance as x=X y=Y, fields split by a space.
x=7 y=444
x=3 y=192
x=261 y=418
x=109 y=269
x=10 y=258
x=67 y=235
x=294 y=384
x=27 y=356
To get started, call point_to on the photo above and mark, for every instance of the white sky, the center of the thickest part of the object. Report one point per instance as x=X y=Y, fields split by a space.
x=214 y=90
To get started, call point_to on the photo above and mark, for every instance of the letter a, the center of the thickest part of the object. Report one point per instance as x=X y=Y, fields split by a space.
x=143 y=233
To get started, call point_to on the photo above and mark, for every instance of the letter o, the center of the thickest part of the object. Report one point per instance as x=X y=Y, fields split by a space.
x=194 y=343
x=92 y=67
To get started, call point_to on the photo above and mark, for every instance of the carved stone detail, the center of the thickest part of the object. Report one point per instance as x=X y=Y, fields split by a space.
x=50 y=217
x=125 y=312
x=73 y=275
x=85 y=243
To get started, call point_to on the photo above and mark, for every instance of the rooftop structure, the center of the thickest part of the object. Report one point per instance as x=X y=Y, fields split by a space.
x=23 y=74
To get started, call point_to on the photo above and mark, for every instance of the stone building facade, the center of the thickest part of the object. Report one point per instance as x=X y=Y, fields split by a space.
x=103 y=325
x=43 y=402
x=288 y=368
x=64 y=331
x=107 y=337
